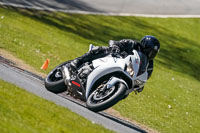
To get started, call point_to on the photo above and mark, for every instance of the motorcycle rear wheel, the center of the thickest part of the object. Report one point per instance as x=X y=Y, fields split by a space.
x=96 y=103
x=55 y=84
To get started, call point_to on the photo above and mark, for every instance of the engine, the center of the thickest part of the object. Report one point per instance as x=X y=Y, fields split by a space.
x=83 y=73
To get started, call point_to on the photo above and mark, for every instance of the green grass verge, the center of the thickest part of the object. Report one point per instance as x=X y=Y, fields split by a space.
x=23 y=112
x=170 y=101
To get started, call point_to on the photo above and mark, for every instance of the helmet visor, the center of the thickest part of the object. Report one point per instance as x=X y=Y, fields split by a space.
x=152 y=54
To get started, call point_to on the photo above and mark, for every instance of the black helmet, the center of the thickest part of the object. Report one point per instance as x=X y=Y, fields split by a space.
x=150 y=46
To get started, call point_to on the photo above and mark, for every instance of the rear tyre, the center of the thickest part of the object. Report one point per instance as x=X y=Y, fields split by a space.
x=97 y=101
x=54 y=81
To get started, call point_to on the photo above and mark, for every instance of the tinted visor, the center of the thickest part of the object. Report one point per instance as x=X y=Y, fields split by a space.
x=151 y=53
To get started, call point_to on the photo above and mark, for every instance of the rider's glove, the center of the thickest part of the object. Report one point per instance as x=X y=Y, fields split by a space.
x=115 y=52
x=115 y=49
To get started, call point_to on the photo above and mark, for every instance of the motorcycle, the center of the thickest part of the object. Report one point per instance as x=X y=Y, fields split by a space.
x=100 y=83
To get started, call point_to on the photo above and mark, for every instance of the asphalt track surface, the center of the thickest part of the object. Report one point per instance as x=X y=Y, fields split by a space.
x=34 y=84
x=115 y=7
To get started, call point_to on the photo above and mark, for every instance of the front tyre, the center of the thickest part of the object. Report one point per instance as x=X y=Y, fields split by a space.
x=100 y=100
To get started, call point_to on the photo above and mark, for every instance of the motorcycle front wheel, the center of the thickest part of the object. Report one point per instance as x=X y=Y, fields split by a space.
x=103 y=98
x=54 y=81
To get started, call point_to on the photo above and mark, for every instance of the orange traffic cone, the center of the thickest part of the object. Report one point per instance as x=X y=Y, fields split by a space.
x=45 y=65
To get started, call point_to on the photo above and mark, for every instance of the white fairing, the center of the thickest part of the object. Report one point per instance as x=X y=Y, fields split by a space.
x=109 y=64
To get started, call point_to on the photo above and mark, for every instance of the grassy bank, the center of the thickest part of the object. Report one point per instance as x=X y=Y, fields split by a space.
x=22 y=112
x=170 y=100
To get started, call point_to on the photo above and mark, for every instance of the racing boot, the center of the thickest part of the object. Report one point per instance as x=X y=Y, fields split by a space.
x=75 y=64
x=94 y=53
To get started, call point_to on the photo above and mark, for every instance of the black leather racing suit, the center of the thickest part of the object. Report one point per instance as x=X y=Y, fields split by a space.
x=123 y=47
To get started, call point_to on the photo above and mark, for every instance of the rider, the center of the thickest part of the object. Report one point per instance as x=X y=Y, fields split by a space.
x=149 y=46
